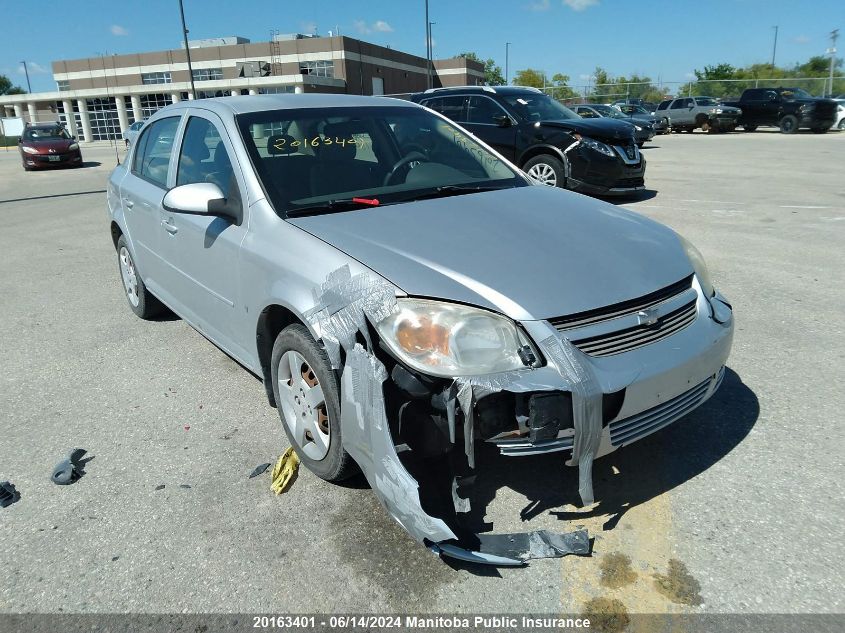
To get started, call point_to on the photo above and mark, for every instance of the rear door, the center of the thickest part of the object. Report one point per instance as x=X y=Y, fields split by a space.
x=206 y=249
x=681 y=111
x=483 y=116
x=141 y=193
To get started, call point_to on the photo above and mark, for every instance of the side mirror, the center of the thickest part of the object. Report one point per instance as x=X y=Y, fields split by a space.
x=199 y=198
x=502 y=120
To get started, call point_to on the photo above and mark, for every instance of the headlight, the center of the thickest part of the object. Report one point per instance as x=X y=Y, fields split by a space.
x=638 y=128
x=72 y=147
x=718 y=111
x=699 y=266
x=596 y=145
x=447 y=339
x=29 y=150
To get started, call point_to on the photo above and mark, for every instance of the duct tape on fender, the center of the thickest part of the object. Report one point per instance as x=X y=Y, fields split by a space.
x=586 y=408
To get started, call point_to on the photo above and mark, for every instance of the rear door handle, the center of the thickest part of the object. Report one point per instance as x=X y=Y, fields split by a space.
x=170 y=228
x=128 y=203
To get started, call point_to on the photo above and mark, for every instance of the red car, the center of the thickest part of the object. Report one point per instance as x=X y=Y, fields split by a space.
x=48 y=145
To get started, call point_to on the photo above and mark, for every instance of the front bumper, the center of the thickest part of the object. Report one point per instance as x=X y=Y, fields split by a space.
x=815 y=121
x=595 y=173
x=48 y=161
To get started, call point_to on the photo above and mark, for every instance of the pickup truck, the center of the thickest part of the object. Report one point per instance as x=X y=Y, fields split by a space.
x=790 y=109
x=688 y=113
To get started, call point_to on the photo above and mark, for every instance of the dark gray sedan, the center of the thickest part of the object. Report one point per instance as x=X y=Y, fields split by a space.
x=635 y=112
x=404 y=293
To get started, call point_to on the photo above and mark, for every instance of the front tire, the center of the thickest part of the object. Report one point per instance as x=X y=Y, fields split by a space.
x=749 y=128
x=308 y=400
x=141 y=301
x=547 y=170
x=788 y=124
x=820 y=130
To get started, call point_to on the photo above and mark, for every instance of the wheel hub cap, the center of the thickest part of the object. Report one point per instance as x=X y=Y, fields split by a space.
x=543 y=173
x=303 y=405
x=129 y=276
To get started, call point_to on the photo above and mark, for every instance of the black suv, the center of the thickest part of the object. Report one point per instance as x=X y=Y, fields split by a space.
x=544 y=138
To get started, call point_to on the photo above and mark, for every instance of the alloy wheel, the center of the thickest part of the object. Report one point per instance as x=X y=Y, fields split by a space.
x=129 y=276
x=303 y=405
x=543 y=173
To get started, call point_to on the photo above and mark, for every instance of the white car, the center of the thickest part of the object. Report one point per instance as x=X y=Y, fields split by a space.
x=131 y=133
x=839 y=124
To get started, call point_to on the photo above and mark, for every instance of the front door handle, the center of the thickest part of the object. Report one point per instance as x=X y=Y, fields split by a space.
x=128 y=203
x=169 y=227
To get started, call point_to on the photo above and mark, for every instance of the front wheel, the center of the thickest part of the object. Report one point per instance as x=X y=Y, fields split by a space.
x=749 y=128
x=841 y=125
x=308 y=399
x=141 y=301
x=547 y=170
x=820 y=130
x=789 y=124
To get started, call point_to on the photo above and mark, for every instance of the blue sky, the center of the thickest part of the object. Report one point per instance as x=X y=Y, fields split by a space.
x=660 y=38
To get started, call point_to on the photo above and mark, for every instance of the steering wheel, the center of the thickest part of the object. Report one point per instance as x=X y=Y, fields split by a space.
x=407 y=158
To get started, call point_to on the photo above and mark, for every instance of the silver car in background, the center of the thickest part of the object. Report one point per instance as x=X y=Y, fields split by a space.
x=404 y=292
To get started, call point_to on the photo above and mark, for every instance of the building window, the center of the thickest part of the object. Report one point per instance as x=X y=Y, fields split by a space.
x=322 y=68
x=208 y=74
x=277 y=90
x=150 y=104
x=63 y=84
x=156 y=78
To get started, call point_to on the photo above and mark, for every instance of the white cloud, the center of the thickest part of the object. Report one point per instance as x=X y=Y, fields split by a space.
x=540 y=5
x=379 y=26
x=580 y=5
x=34 y=68
x=116 y=29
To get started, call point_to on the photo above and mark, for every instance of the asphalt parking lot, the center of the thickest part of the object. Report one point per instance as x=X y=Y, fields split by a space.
x=745 y=492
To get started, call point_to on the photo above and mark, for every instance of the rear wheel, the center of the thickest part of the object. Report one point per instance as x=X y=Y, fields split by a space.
x=546 y=169
x=788 y=124
x=841 y=125
x=308 y=398
x=141 y=301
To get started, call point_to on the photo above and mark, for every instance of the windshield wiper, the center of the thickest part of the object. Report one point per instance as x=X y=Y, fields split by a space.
x=444 y=191
x=341 y=204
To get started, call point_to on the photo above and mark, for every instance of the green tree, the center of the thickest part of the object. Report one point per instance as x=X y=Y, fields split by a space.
x=561 y=88
x=492 y=73
x=6 y=87
x=530 y=77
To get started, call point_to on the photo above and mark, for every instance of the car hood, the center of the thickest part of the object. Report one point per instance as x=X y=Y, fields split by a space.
x=642 y=118
x=602 y=129
x=531 y=252
x=60 y=145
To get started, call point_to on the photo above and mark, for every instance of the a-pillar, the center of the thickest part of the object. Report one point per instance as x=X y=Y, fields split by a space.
x=83 y=117
x=175 y=97
x=67 y=104
x=137 y=113
x=120 y=102
x=33 y=112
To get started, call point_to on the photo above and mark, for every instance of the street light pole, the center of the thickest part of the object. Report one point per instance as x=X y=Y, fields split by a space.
x=507 y=60
x=834 y=34
x=775 y=47
x=26 y=72
x=427 y=48
x=187 y=50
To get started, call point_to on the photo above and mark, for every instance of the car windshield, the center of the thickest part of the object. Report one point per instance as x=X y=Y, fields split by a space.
x=538 y=107
x=335 y=159
x=44 y=134
x=635 y=109
x=706 y=101
x=795 y=93
x=609 y=111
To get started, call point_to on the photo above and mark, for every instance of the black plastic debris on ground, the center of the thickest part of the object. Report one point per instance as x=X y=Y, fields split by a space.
x=539 y=544
x=70 y=469
x=259 y=469
x=8 y=494
x=160 y=487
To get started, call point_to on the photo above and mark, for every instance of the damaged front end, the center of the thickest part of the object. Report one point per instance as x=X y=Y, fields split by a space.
x=413 y=434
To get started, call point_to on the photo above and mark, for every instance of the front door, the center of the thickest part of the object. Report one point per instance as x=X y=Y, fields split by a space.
x=485 y=118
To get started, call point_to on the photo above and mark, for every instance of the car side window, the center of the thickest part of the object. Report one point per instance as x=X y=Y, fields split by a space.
x=587 y=113
x=452 y=107
x=663 y=105
x=152 y=157
x=482 y=110
x=203 y=157
x=677 y=104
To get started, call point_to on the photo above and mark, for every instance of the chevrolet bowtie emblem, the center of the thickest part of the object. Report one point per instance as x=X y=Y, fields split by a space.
x=51 y=150
x=647 y=317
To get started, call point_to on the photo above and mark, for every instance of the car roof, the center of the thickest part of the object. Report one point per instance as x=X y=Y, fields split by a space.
x=245 y=104
x=508 y=90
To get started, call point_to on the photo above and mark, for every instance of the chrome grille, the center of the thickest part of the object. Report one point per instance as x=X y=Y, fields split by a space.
x=630 y=429
x=631 y=338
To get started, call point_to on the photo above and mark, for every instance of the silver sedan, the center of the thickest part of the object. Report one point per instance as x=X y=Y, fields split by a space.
x=404 y=293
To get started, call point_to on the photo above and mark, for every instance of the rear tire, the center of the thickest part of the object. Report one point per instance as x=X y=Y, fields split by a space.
x=749 y=128
x=788 y=124
x=314 y=371
x=547 y=170
x=141 y=301
x=841 y=125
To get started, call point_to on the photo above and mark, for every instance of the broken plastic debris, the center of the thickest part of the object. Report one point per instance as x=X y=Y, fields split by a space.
x=284 y=471
x=160 y=487
x=70 y=469
x=8 y=494
x=259 y=469
x=537 y=544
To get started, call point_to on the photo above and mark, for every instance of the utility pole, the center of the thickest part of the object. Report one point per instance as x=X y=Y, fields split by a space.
x=431 y=45
x=427 y=48
x=775 y=47
x=188 y=50
x=507 y=60
x=26 y=72
x=834 y=34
